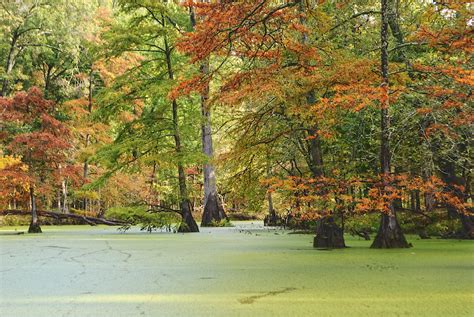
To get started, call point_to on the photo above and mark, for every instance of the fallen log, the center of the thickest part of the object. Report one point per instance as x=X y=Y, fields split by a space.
x=58 y=216
x=11 y=233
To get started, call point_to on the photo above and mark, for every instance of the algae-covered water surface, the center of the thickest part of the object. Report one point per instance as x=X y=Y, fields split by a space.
x=242 y=271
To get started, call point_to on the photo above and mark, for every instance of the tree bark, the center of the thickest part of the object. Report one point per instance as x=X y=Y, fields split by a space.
x=393 y=23
x=449 y=177
x=34 y=225
x=65 y=205
x=271 y=219
x=88 y=137
x=390 y=234
x=328 y=233
x=14 y=50
x=9 y=63
x=315 y=156
x=213 y=207
x=58 y=202
x=188 y=223
x=150 y=199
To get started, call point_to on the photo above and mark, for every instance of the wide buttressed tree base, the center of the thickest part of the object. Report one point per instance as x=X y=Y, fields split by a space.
x=328 y=235
x=467 y=231
x=34 y=228
x=213 y=211
x=390 y=234
x=188 y=223
x=271 y=220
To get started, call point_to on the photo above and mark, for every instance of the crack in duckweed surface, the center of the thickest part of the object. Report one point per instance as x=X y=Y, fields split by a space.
x=252 y=299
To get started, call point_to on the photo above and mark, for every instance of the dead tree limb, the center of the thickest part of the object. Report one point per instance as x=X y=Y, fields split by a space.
x=59 y=216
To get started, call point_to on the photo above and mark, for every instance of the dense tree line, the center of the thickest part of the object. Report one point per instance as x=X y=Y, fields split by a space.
x=320 y=114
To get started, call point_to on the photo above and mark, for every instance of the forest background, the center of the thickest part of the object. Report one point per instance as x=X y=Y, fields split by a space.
x=331 y=116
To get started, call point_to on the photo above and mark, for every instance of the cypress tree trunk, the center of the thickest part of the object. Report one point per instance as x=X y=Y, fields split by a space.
x=328 y=234
x=65 y=205
x=390 y=234
x=467 y=222
x=59 y=201
x=152 y=200
x=34 y=225
x=271 y=219
x=188 y=223
x=10 y=62
x=88 y=137
x=452 y=181
x=213 y=207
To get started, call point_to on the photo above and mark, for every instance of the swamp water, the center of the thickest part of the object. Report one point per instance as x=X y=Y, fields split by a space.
x=246 y=270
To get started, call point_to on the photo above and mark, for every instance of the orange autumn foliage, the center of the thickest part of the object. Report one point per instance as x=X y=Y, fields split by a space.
x=314 y=198
x=41 y=142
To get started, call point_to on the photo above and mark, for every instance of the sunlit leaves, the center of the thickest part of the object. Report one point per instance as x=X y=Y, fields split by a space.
x=35 y=137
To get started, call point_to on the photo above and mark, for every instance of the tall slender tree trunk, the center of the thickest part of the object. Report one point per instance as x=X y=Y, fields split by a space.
x=63 y=194
x=10 y=62
x=151 y=200
x=34 y=224
x=59 y=201
x=328 y=234
x=188 y=224
x=65 y=205
x=429 y=198
x=47 y=80
x=213 y=207
x=8 y=70
x=271 y=218
x=453 y=181
x=271 y=210
x=390 y=234
x=88 y=137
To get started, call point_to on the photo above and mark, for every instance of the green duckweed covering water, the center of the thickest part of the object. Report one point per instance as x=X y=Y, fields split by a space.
x=97 y=271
